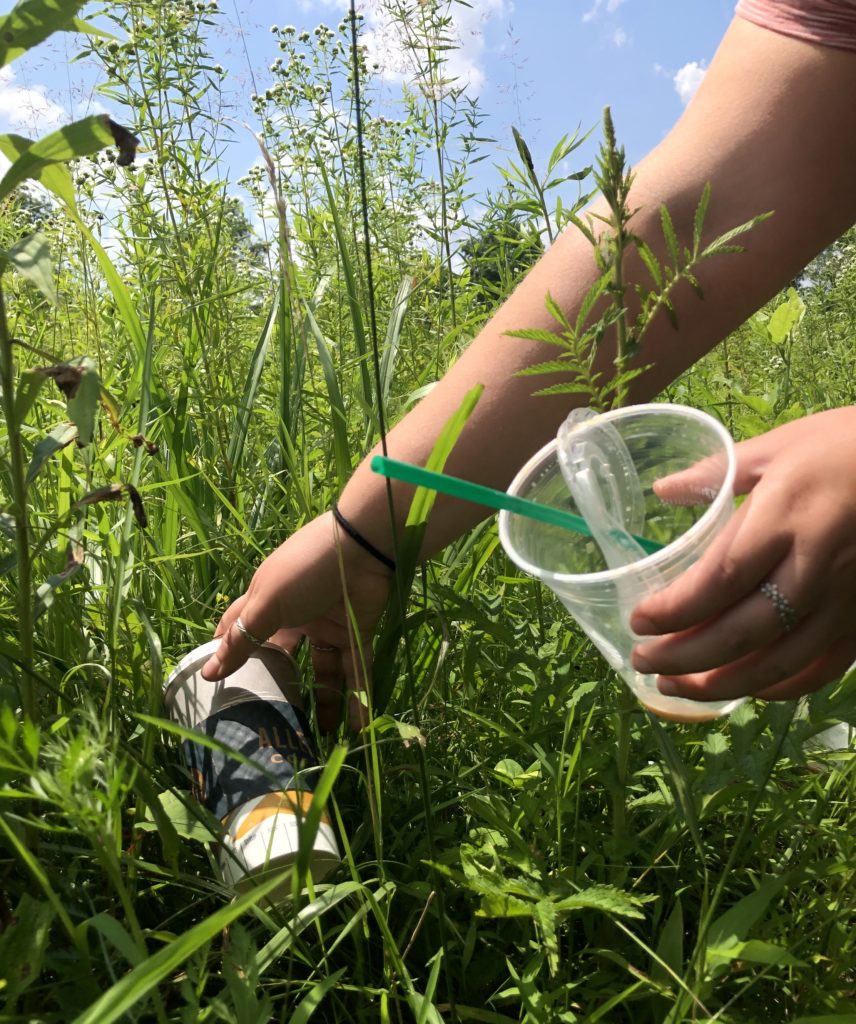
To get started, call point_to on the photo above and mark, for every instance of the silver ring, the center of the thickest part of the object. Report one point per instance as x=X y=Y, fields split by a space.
x=784 y=608
x=246 y=634
x=319 y=647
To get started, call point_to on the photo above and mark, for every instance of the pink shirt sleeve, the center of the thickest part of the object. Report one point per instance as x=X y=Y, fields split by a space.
x=830 y=22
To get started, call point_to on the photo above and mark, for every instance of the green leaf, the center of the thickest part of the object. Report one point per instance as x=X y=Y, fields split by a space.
x=32 y=21
x=130 y=990
x=45 y=593
x=22 y=946
x=310 y=1003
x=60 y=437
x=83 y=404
x=242 y=419
x=186 y=819
x=698 y=220
x=80 y=138
x=338 y=413
x=757 y=952
x=25 y=393
x=603 y=897
x=525 y=155
x=785 y=317
x=732 y=927
x=670 y=236
x=56 y=178
x=31 y=257
x=670 y=946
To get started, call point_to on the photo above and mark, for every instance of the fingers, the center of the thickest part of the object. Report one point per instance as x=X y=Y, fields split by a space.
x=747 y=626
x=791 y=665
x=740 y=558
x=236 y=645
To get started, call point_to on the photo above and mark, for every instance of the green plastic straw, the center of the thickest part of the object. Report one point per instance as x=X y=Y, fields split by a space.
x=480 y=495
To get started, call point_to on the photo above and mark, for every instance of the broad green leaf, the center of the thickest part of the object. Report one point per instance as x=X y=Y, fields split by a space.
x=130 y=990
x=60 y=437
x=29 y=385
x=117 y=935
x=80 y=138
x=733 y=926
x=187 y=820
x=22 y=946
x=45 y=593
x=757 y=952
x=31 y=257
x=670 y=945
x=785 y=317
x=56 y=178
x=30 y=22
x=83 y=404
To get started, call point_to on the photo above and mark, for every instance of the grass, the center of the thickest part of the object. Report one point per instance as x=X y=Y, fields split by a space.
x=521 y=842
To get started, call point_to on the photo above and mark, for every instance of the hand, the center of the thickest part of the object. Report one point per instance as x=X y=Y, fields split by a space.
x=719 y=636
x=298 y=591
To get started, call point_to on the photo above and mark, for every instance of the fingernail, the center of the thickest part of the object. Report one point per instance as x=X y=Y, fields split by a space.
x=641 y=663
x=212 y=669
x=642 y=625
x=668 y=687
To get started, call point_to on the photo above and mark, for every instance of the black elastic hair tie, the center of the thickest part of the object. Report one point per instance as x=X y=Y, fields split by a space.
x=358 y=538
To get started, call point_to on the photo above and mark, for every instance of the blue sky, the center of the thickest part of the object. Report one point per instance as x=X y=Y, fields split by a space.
x=543 y=65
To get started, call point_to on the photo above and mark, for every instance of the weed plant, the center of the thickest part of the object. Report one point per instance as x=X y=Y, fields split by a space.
x=519 y=843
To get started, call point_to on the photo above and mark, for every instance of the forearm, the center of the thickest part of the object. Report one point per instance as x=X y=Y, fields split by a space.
x=770 y=130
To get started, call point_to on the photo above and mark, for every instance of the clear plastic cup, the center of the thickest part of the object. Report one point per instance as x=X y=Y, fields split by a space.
x=661 y=440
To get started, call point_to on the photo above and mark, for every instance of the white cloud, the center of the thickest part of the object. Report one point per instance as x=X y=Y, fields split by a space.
x=687 y=79
x=601 y=6
x=27 y=108
x=620 y=37
x=388 y=46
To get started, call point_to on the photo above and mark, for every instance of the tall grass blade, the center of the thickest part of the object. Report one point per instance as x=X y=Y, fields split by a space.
x=130 y=990
x=238 y=440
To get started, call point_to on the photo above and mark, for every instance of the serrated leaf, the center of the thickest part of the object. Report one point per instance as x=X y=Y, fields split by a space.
x=607 y=898
x=31 y=257
x=669 y=235
x=720 y=244
x=698 y=220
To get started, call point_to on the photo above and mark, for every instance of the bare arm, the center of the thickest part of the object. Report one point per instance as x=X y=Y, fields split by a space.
x=772 y=127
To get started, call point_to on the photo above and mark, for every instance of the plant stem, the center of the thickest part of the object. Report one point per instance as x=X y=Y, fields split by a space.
x=19 y=514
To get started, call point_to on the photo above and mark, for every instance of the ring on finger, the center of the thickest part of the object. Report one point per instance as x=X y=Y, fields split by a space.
x=322 y=648
x=784 y=609
x=246 y=634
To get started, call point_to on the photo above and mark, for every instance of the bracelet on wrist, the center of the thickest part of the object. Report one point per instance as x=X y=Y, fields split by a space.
x=358 y=538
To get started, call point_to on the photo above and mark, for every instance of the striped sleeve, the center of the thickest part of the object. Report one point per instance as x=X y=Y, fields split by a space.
x=829 y=22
